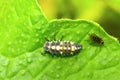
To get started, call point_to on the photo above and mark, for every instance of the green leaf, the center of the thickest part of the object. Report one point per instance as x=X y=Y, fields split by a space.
x=93 y=62
x=21 y=25
x=22 y=31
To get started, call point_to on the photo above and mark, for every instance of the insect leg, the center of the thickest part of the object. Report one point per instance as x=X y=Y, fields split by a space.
x=43 y=52
x=47 y=39
x=61 y=38
x=54 y=37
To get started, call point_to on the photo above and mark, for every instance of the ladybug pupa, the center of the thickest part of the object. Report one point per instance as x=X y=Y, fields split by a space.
x=63 y=48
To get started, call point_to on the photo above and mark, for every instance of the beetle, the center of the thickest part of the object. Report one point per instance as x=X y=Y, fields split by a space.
x=96 y=39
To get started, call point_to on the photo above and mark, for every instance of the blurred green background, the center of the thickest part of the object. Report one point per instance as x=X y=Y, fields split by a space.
x=104 y=12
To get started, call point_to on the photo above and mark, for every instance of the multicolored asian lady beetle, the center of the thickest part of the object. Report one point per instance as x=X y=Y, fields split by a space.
x=63 y=48
x=96 y=39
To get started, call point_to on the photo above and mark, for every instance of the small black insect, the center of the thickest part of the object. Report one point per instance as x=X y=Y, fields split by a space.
x=96 y=39
x=63 y=48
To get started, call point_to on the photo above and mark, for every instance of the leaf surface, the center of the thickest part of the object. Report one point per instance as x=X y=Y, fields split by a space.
x=23 y=28
x=93 y=62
